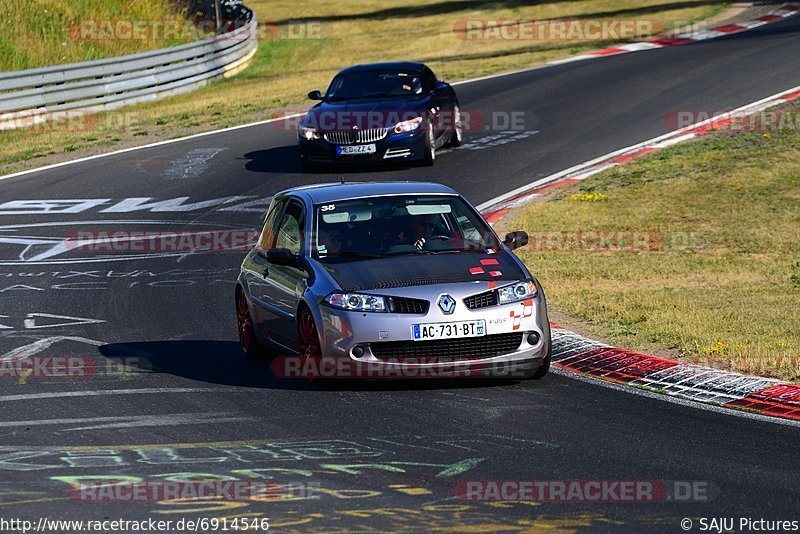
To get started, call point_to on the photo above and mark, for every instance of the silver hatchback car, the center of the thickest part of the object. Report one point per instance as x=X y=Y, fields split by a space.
x=394 y=276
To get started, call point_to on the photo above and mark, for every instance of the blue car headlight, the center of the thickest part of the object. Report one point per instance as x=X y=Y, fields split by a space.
x=309 y=133
x=408 y=126
x=356 y=302
x=516 y=292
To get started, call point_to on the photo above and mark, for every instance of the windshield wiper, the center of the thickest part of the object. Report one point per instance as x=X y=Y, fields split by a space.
x=428 y=252
x=435 y=252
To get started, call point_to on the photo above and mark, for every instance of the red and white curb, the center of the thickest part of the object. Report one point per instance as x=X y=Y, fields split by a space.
x=786 y=10
x=581 y=355
x=764 y=396
x=494 y=209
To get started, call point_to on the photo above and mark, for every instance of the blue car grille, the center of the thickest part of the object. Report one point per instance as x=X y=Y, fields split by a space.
x=353 y=137
x=449 y=350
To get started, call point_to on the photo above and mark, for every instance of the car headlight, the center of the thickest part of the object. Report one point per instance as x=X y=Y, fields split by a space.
x=516 y=292
x=310 y=134
x=356 y=302
x=408 y=126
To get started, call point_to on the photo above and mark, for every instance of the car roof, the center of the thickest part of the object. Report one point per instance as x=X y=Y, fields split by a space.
x=399 y=65
x=337 y=191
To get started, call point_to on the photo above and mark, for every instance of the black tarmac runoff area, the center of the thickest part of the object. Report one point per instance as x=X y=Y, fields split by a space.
x=171 y=397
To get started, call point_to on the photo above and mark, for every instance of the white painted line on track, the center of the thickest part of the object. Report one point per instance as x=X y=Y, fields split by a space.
x=105 y=392
x=40 y=345
x=150 y=145
x=164 y=420
x=130 y=421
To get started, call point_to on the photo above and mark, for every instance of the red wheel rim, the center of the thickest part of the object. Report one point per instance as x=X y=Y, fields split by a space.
x=245 y=324
x=309 y=340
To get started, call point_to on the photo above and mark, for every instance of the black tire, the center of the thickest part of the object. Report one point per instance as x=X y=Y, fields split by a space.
x=545 y=367
x=542 y=370
x=430 y=147
x=457 y=136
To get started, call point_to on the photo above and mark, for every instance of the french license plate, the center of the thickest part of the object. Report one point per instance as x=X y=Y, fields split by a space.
x=429 y=331
x=355 y=149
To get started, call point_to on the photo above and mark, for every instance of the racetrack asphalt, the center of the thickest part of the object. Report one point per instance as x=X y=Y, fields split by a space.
x=381 y=456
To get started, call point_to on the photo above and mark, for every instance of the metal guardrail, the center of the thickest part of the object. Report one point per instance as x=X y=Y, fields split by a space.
x=33 y=96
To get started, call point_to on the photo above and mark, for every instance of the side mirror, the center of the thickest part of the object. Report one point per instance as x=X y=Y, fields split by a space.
x=515 y=240
x=315 y=95
x=282 y=256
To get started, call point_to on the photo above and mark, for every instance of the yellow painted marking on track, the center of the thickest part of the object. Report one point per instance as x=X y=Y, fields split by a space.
x=415 y=491
x=295 y=522
x=510 y=504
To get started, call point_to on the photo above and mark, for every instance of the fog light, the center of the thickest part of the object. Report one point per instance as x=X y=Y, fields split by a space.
x=533 y=338
x=358 y=352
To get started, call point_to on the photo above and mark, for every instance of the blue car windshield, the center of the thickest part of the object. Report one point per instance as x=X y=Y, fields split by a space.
x=380 y=227
x=375 y=84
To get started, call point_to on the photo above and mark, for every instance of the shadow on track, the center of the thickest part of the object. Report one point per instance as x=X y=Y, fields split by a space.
x=286 y=160
x=224 y=363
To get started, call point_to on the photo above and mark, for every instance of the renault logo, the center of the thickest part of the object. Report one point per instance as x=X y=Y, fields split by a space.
x=447 y=304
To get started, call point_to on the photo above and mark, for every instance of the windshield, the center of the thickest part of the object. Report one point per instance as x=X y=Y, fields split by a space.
x=374 y=84
x=379 y=227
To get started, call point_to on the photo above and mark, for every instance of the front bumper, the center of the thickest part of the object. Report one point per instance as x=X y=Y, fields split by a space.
x=517 y=338
x=405 y=146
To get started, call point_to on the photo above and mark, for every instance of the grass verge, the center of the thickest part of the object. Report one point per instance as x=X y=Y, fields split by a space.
x=701 y=257
x=43 y=33
x=313 y=42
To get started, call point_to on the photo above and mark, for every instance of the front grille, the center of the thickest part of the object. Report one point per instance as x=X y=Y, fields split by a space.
x=407 y=305
x=448 y=350
x=354 y=137
x=481 y=300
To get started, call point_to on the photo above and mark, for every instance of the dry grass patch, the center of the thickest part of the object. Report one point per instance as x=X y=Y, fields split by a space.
x=724 y=284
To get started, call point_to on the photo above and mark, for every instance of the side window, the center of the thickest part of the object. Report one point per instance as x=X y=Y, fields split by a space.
x=268 y=232
x=290 y=231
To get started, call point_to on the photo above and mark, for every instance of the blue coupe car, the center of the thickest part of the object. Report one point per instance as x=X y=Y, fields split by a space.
x=380 y=112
